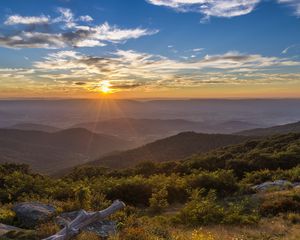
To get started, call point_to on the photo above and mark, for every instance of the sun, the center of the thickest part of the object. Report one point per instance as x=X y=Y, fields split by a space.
x=105 y=87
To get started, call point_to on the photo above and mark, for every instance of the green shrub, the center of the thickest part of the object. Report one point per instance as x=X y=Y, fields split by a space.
x=7 y=216
x=223 y=181
x=158 y=201
x=133 y=193
x=241 y=212
x=83 y=197
x=202 y=209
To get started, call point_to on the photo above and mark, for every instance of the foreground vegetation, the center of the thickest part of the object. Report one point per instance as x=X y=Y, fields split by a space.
x=204 y=197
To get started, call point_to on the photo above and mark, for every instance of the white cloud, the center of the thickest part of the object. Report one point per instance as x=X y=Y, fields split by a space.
x=70 y=34
x=86 y=18
x=26 y=20
x=220 y=8
x=198 y=49
x=211 y=8
x=295 y=4
x=67 y=17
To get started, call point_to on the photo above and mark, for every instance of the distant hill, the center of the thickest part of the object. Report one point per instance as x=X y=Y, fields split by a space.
x=35 y=127
x=172 y=148
x=50 y=152
x=281 y=129
x=148 y=130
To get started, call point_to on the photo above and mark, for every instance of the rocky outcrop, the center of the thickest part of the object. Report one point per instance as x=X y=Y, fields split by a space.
x=278 y=184
x=29 y=214
x=7 y=228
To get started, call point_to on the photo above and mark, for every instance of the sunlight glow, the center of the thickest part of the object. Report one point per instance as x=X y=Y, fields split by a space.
x=105 y=87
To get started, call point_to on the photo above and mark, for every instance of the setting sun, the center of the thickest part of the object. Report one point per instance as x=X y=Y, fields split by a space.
x=105 y=87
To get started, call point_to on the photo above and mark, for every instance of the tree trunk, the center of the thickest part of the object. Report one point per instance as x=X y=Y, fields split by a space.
x=83 y=220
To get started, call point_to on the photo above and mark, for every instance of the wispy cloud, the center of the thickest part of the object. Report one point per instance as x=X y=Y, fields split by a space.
x=130 y=69
x=210 y=8
x=295 y=4
x=220 y=8
x=72 y=34
x=286 y=50
x=26 y=20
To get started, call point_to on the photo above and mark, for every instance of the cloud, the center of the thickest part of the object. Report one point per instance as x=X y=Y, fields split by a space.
x=210 y=8
x=295 y=4
x=129 y=70
x=17 y=19
x=80 y=83
x=220 y=8
x=197 y=49
x=126 y=70
x=70 y=34
x=86 y=18
x=286 y=50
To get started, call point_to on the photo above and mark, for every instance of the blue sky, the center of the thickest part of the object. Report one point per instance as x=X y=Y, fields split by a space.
x=197 y=47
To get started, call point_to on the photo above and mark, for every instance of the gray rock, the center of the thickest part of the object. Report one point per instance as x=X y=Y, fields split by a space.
x=103 y=228
x=296 y=184
x=7 y=228
x=30 y=214
x=278 y=184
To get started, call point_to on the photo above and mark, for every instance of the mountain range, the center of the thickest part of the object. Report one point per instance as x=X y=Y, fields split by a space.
x=49 y=152
x=280 y=129
x=148 y=130
x=175 y=147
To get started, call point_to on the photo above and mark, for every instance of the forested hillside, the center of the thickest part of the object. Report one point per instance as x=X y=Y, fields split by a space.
x=175 y=147
x=50 y=152
x=209 y=192
x=281 y=129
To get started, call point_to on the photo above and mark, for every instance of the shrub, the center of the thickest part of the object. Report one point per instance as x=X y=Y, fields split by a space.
x=223 y=181
x=7 y=216
x=46 y=229
x=83 y=197
x=202 y=209
x=158 y=201
x=131 y=192
x=241 y=213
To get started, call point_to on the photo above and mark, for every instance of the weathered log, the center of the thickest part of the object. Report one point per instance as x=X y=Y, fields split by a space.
x=84 y=219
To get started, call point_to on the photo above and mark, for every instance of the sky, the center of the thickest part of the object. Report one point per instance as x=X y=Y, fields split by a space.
x=150 y=48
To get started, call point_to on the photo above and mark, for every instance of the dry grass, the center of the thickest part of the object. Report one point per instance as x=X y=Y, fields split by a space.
x=267 y=229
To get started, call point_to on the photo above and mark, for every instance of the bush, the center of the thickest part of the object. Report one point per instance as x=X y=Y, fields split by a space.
x=7 y=216
x=46 y=229
x=241 y=213
x=158 y=201
x=133 y=192
x=223 y=181
x=83 y=197
x=202 y=209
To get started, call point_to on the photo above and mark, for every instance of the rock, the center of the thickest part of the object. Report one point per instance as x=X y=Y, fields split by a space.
x=278 y=184
x=30 y=214
x=103 y=228
x=7 y=228
x=296 y=184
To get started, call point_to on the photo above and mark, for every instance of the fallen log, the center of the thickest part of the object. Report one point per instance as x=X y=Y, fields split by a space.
x=84 y=219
